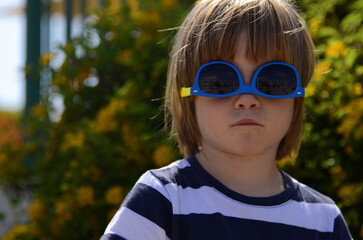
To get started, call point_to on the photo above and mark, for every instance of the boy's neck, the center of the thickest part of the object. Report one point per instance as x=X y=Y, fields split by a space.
x=256 y=176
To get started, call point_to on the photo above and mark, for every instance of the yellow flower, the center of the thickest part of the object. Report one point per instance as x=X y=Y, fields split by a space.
x=129 y=135
x=83 y=73
x=114 y=6
x=92 y=172
x=59 y=80
x=350 y=193
x=85 y=196
x=351 y=123
x=46 y=58
x=162 y=156
x=63 y=211
x=17 y=232
x=134 y=8
x=68 y=48
x=114 y=195
x=106 y=119
x=10 y=131
x=150 y=17
x=168 y=5
x=359 y=70
x=3 y=160
x=321 y=68
x=338 y=173
x=124 y=57
x=73 y=140
x=314 y=25
x=36 y=210
x=310 y=90
x=336 y=49
x=38 y=111
x=357 y=89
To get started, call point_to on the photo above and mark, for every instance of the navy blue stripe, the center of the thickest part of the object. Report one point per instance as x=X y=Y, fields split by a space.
x=217 y=226
x=149 y=203
x=309 y=195
x=196 y=177
x=112 y=237
x=341 y=229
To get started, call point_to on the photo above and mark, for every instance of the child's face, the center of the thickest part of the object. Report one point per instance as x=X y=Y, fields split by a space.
x=244 y=124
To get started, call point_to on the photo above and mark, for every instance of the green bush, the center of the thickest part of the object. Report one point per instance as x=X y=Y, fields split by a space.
x=331 y=154
x=111 y=82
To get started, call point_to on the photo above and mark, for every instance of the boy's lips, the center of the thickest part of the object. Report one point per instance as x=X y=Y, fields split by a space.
x=247 y=122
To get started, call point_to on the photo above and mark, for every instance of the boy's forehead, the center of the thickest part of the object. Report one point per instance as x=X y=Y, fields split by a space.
x=240 y=51
x=241 y=44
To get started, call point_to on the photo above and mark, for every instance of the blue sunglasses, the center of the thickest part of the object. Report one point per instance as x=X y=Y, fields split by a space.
x=223 y=79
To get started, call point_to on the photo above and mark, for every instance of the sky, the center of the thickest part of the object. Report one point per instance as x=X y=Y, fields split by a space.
x=12 y=55
x=13 y=46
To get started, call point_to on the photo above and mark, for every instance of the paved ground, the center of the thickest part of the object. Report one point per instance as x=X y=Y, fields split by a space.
x=10 y=215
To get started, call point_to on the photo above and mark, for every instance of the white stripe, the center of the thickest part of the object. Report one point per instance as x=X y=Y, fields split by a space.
x=133 y=226
x=149 y=179
x=207 y=200
x=179 y=164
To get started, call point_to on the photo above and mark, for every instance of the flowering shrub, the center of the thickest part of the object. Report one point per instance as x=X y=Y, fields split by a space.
x=331 y=157
x=10 y=143
x=81 y=166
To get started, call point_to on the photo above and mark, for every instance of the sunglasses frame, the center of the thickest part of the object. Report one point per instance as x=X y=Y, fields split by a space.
x=243 y=88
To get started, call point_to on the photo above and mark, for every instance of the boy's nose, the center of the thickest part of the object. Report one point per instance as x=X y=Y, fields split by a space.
x=247 y=101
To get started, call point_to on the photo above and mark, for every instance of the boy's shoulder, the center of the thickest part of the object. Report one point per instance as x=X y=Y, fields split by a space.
x=180 y=172
x=308 y=194
x=170 y=172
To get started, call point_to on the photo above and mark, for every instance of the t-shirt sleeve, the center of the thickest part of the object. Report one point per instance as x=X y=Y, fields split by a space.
x=145 y=214
x=341 y=231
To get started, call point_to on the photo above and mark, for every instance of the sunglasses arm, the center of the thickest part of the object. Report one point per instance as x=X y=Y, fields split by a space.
x=185 y=92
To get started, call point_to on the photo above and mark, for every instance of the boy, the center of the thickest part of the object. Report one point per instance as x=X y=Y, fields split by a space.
x=234 y=95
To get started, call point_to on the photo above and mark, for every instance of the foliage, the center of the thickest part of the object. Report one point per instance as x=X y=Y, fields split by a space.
x=81 y=167
x=110 y=81
x=10 y=141
x=330 y=155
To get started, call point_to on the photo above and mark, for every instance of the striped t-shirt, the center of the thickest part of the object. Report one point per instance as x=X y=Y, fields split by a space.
x=182 y=201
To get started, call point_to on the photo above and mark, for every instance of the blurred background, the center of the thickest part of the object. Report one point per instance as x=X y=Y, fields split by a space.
x=81 y=89
x=12 y=46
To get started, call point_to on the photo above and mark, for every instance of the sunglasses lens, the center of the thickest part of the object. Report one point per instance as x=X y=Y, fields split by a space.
x=218 y=79
x=276 y=80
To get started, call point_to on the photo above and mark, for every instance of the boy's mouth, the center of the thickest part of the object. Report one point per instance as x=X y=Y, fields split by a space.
x=246 y=122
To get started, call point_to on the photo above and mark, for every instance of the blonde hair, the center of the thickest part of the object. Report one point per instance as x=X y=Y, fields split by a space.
x=210 y=32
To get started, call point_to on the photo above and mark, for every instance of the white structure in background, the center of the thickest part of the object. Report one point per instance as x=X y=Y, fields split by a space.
x=12 y=214
x=12 y=81
x=12 y=88
x=12 y=55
